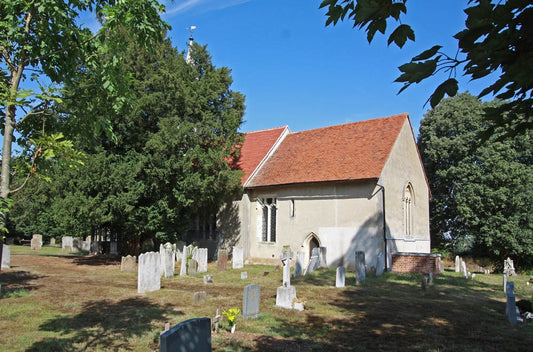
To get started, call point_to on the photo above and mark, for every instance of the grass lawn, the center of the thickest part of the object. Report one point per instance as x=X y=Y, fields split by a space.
x=56 y=302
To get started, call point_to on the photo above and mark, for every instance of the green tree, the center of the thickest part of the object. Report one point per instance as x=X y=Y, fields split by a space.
x=497 y=39
x=482 y=190
x=168 y=160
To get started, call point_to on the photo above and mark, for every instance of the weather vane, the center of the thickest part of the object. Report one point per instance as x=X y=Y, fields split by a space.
x=191 y=28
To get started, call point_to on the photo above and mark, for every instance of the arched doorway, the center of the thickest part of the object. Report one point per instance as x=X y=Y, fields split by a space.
x=310 y=242
x=313 y=243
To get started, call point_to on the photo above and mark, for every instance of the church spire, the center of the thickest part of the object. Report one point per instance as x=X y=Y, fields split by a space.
x=189 y=59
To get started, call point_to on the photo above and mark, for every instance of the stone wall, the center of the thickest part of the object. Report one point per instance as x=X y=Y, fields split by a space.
x=423 y=263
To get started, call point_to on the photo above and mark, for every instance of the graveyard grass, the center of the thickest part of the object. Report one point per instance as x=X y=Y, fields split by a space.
x=56 y=302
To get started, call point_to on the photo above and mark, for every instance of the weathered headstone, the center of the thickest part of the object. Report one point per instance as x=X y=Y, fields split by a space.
x=508 y=267
x=183 y=267
x=430 y=277
x=312 y=265
x=457 y=264
x=192 y=267
x=322 y=261
x=86 y=245
x=244 y=275
x=360 y=267
x=36 y=242
x=67 y=243
x=149 y=272
x=504 y=283
x=187 y=336
x=6 y=257
x=95 y=246
x=286 y=293
x=179 y=249
x=299 y=265
x=510 y=309
x=237 y=261
x=463 y=266
x=167 y=261
x=380 y=264
x=199 y=298
x=113 y=248
x=251 y=300
x=340 y=277
x=202 y=260
x=52 y=241
x=222 y=260
x=128 y=263
x=208 y=279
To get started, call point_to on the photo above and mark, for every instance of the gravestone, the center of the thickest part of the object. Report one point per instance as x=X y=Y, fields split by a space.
x=52 y=241
x=67 y=243
x=340 y=277
x=6 y=257
x=380 y=265
x=202 y=260
x=222 y=260
x=463 y=266
x=113 y=248
x=36 y=242
x=208 y=279
x=313 y=264
x=504 y=283
x=128 y=263
x=430 y=277
x=95 y=247
x=237 y=261
x=190 y=335
x=251 y=300
x=86 y=245
x=510 y=309
x=457 y=264
x=322 y=262
x=179 y=249
x=286 y=293
x=360 y=267
x=199 y=298
x=194 y=253
x=244 y=275
x=167 y=260
x=192 y=267
x=299 y=265
x=183 y=267
x=149 y=273
x=508 y=267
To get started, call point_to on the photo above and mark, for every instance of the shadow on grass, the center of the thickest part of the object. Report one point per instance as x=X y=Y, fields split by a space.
x=17 y=280
x=102 y=325
x=97 y=260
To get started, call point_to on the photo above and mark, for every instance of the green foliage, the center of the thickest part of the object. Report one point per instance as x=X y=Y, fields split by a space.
x=482 y=189
x=497 y=39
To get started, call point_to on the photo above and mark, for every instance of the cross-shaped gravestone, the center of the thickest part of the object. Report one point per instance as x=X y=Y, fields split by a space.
x=286 y=257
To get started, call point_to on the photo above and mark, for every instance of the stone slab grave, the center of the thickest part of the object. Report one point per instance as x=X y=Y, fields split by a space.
x=149 y=272
x=340 y=278
x=511 y=307
x=299 y=265
x=237 y=261
x=189 y=335
x=52 y=241
x=322 y=262
x=167 y=255
x=312 y=266
x=360 y=267
x=202 y=260
x=222 y=260
x=286 y=294
x=380 y=264
x=457 y=264
x=199 y=298
x=128 y=263
x=36 y=242
x=251 y=300
x=244 y=275
x=6 y=257
x=192 y=267
x=67 y=243
x=187 y=254
x=113 y=247
x=463 y=269
x=508 y=267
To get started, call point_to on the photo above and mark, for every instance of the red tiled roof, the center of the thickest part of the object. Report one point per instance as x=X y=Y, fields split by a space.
x=353 y=151
x=255 y=147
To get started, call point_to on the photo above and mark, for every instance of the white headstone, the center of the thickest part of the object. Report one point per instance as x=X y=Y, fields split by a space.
x=465 y=273
x=504 y=283
x=313 y=264
x=322 y=262
x=202 y=260
x=238 y=258
x=457 y=264
x=36 y=242
x=67 y=243
x=149 y=272
x=380 y=265
x=508 y=267
x=168 y=264
x=183 y=267
x=340 y=277
x=285 y=296
x=6 y=257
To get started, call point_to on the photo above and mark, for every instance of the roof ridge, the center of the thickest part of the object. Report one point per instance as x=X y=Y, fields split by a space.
x=403 y=114
x=268 y=129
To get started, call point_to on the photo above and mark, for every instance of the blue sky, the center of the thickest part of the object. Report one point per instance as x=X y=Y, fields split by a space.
x=295 y=71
